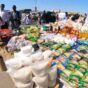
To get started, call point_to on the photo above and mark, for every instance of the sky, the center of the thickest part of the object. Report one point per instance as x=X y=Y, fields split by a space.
x=65 y=5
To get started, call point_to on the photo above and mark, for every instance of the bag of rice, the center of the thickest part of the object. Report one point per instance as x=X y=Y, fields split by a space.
x=41 y=82
x=52 y=72
x=38 y=56
x=23 y=75
x=40 y=68
x=47 y=54
x=13 y=64
x=23 y=85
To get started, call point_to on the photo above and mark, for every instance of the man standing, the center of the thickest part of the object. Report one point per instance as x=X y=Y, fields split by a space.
x=4 y=17
x=15 y=18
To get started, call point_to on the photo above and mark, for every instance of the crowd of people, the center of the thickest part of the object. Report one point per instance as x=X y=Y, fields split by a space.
x=9 y=18
x=14 y=18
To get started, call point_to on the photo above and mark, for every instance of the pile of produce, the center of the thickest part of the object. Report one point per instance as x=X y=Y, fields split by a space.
x=32 y=33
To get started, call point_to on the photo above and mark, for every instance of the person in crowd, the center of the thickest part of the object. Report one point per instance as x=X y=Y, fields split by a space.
x=1 y=22
x=62 y=16
x=62 y=19
x=86 y=20
x=39 y=18
x=4 y=17
x=23 y=18
x=28 y=19
x=15 y=18
x=43 y=17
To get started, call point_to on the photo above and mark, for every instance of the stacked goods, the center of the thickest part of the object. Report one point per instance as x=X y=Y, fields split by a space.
x=58 y=38
x=72 y=66
x=63 y=49
x=31 y=68
x=60 y=48
x=72 y=69
x=83 y=46
x=61 y=55
x=76 y=73
x=32 y=33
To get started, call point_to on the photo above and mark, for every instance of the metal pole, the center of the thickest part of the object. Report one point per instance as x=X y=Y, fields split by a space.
x=35 y=5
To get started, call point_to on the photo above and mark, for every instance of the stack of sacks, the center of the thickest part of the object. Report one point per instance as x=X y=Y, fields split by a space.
x=44 y=76
x=24 y=58
x=20 y=59
x=29 y=67
x=39 y=70
x=38 y=56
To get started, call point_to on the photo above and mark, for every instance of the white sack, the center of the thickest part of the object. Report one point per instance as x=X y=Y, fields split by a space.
x=40 y=68
x=38 y=56
x=13 y=64
x=22 y=85
x=47 y=54
x=23 y=75
x=41 y=82
x=52 y=72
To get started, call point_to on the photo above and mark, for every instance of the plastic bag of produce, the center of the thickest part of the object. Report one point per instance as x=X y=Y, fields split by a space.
x=78 y=73
x=66 y=47
x=67 y=72
x=83 y=63
x=60 y=67
x=41 y=82
x=52 y=76
x=56 y=46
x=40 y=68
x=61 y=51
x=83 y=49
x=23 y=75
x=73 y=79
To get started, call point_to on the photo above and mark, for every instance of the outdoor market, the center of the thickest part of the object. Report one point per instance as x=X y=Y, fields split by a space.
x=44 y=49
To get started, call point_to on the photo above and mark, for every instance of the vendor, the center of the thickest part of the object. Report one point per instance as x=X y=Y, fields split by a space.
x=4 y=17
x=15 y=18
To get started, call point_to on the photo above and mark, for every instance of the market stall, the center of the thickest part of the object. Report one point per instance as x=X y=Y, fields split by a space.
x=51 y=55
x=49 y=59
